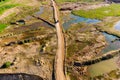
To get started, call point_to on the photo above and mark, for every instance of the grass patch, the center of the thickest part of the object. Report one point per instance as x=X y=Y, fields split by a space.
x=100 y=13
x=26 y=10
x=77 y=26
x=107 y=25
x=6 y=7
x=2 y=27
x=23 y=7
x=75 y=48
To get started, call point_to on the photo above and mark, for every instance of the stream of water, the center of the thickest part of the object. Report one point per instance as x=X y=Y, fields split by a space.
x=111 y=45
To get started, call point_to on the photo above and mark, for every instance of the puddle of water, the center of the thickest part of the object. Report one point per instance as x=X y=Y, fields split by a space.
x=76 y=19
x=103 y=67
x=117 y=26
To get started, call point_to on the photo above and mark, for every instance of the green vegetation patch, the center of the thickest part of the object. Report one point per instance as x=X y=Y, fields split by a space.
x=75 y=48
x=2 y=27
x=100 y=13
x=6 y=65
x=24 y=11
x=6 y=7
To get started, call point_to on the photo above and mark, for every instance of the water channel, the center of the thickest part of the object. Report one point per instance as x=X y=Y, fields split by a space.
x=104 y=66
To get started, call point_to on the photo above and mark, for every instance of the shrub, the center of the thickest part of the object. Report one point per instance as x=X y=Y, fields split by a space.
x=6 y=65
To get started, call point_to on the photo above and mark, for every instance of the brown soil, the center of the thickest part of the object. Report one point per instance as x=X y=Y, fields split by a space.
x=77 y=6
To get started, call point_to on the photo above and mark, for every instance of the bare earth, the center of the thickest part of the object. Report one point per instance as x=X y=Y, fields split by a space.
x=59 y=59
x=77 y=6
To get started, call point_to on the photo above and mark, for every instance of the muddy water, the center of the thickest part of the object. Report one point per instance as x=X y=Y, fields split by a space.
x=104 y=66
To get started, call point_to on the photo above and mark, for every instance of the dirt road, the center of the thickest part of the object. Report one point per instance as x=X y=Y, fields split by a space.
x=59 y=59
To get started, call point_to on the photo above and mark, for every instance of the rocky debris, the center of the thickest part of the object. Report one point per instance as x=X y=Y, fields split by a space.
x=38 y=63
x=77 y=6
x=71 y=6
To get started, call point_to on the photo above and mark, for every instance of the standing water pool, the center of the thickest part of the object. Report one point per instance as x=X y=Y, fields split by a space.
x=76 y=19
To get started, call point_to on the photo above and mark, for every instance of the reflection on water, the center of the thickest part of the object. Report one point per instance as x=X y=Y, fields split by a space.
x=111 y=45
x=103 y=67
x=76 y=19
x=117 y=26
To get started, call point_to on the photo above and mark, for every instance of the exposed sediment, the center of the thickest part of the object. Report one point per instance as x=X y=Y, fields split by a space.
x=105 y=56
